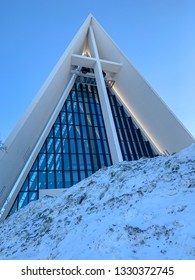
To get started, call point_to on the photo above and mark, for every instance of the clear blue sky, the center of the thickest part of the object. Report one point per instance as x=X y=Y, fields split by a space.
x=158 y=37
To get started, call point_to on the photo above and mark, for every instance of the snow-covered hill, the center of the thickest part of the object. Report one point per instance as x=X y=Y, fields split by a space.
x=133 y=210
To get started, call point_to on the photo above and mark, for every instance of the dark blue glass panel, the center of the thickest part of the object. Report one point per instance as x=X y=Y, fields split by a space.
x=25 y=185
x=67 y=179
x=66 y=162
x=65 y=146
x=43 y=149
x=58 y=163
x=132 y=143
x=75 y=148
x=33 y=196
x=58 y=146
x=50 y=145
x=42 y=180
x=51 y=180
x=23 y=199
x=63 y=118
x=57 y=130
x=59 y=180
x=35 y=166
x=81 y=162
x=50 y=162
x=33 y=181
x=74 y=162
x=42 y=161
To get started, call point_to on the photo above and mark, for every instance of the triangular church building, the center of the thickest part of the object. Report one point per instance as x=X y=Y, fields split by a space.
x=94 y=110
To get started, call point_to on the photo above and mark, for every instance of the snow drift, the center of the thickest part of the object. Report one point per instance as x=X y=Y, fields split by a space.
x=132 y=210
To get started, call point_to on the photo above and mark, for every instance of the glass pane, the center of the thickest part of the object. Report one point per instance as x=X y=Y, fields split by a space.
x=51 y=133
x=33 y=181
x=34 y=167
x=68 y=106
x=98 y=109
x=43 y=149
x=59 y=179
x=97 y=133
x=58 y=158
x=106 y=147
x=108 y=160
x=95 y=162
x=65 y=146
x=67 y=179
x=50 y=162
x=42 y=162
x=57 y=120
x=25 y=185
x=64 y=131
x=99 y=143
x=75 y=177
x=72 y=146
x=66 y=162
x=81 y=107
x=42 y=180
x=96 y=99
x=33 y=196
x=82 y=175
x=88 y=160
x=87 y=108
x=70 y=118
x=78 y=131
x=23 y=199
x=75 y=108
x=101 y=121
x=86 y=146
x=76 y=119
x=73 y=95
x=14 y=207
x=57 y=130
x=84 y=130
x=89 y=121
x=93 y=108
x=102 y=162
x=81 y=162
x=79 y=146
x=58 y=147
x=63 y=118
x=74 y=162
x=91 y=129
x=71 y=131
x=95 y=120
x=50 y=146
x=93 y=147
x=51 y=180
x=103 y=133
x=83 y=121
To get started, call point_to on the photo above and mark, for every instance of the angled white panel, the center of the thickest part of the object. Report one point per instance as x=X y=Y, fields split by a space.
x=157 y=121
x=24 y=137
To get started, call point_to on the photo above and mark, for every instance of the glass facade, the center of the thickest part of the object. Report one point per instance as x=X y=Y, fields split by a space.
x=77 y=144
x=132 y=143
x=75 y=148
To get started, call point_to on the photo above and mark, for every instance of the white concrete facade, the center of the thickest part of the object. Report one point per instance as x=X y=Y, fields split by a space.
x=162 y=128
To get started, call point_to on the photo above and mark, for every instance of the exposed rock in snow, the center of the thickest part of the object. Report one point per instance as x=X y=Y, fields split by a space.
x=133 y=210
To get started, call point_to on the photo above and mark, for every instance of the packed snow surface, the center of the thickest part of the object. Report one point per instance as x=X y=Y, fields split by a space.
x=132 y=210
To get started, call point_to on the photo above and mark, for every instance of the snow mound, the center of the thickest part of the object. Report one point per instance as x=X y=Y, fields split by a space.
x=132 y=210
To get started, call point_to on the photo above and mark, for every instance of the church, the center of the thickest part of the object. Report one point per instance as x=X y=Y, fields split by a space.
x=94 y=110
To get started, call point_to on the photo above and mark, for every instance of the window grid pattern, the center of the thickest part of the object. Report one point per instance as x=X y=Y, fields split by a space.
x=75 y=148
x=132 y=143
